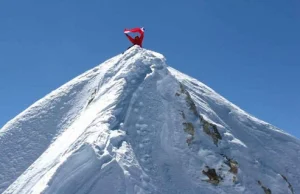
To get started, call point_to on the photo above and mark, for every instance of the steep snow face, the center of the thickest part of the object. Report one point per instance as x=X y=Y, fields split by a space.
x=134 y=125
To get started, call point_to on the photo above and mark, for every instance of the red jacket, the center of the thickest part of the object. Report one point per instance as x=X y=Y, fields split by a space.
x=138 y=40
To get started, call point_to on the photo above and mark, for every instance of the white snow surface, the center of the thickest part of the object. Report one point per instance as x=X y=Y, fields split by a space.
x=120 y=128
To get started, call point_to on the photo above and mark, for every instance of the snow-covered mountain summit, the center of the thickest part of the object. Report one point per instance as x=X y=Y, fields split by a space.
x=135 y=125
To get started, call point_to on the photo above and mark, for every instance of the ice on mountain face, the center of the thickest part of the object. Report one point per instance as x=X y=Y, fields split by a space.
x=135 y=125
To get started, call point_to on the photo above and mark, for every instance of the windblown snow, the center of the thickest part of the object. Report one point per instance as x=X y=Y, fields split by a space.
x=135 y=125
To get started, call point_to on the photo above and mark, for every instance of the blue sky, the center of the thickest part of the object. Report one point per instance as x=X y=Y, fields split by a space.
x=248 y=51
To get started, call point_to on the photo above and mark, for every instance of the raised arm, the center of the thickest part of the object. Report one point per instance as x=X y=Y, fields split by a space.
x=130 y=38
x=141 y=31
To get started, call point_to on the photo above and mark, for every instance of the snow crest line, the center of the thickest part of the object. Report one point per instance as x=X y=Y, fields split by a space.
x=135 y=125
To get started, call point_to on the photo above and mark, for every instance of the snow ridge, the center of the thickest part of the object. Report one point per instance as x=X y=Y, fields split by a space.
x=135 y=125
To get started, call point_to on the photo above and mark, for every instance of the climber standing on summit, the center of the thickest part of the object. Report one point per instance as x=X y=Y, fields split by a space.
x=137 y=40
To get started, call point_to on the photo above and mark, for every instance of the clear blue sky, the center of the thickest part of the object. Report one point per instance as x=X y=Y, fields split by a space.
x=246 y=50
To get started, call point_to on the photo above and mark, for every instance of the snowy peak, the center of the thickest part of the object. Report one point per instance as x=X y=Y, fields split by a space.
x=135 y=125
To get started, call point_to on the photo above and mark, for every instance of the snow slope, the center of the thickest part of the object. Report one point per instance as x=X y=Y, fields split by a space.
x=135 y=125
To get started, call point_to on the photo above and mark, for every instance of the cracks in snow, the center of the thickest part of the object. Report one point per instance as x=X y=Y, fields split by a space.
x=266 y=189
x=289 y=184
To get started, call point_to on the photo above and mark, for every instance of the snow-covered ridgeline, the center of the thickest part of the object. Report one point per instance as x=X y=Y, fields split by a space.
x=134 y=125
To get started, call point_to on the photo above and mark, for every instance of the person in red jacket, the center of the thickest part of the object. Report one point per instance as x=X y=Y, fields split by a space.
x=137 y=40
